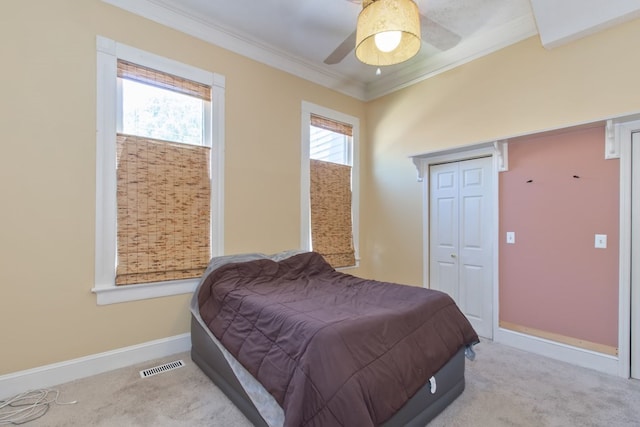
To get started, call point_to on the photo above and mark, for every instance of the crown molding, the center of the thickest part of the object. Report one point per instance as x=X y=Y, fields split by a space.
x=178 y=19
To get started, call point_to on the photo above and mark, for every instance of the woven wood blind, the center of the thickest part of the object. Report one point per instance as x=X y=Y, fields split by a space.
x=331 y=225
x=128 y=70
x=331 y=125
x=164 y=204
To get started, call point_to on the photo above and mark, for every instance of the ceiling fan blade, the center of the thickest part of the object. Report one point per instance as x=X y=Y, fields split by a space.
x=437 y=35
x=342 y=50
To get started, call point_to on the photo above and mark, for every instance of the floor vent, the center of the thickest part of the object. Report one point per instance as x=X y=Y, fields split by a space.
x=162 y=368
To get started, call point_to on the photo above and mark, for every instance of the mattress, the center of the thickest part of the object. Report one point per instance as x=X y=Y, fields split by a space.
x=445 y=386
x=262 y=408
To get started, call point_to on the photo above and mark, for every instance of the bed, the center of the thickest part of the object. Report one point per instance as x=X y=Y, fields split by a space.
x=292 y=342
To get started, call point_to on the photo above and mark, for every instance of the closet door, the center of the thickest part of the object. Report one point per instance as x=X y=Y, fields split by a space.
x=444 y=230
x=460 y=233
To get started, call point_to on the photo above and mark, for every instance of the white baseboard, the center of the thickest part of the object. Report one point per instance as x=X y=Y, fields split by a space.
x=563 y=352
x=59 y=373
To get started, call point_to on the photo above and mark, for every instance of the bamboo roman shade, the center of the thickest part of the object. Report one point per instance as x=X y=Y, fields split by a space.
x=163 y=214
x=331 y=125
x=130 y=71
x=331 y=224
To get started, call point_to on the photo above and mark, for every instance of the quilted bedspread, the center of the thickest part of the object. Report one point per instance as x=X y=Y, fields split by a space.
x=333 y=349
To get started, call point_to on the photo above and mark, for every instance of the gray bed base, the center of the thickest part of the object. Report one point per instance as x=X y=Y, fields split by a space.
x=417 y=412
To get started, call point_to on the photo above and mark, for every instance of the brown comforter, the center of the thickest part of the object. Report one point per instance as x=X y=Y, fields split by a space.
x=333 y=349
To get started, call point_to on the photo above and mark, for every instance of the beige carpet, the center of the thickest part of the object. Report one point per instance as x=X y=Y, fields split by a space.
x=505 y=387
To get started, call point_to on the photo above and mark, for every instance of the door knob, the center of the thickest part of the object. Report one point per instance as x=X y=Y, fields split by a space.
x=453 y=255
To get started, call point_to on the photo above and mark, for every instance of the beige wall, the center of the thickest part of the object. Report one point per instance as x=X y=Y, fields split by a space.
x=47 y=174
x=518 y=90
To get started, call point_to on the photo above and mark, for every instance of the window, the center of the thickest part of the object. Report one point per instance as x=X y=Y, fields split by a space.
x=159 y=173
x=162 y=113
x=162 y=177
x=330 y=185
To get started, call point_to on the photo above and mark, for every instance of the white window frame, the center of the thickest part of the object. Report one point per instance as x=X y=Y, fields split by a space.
x=108 y=52
x=305 y=208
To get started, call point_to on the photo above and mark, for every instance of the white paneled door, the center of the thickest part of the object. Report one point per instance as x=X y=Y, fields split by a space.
x=461 y=236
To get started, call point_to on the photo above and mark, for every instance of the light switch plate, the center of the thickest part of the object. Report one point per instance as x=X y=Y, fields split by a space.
x=511 y=237
x=601 y=241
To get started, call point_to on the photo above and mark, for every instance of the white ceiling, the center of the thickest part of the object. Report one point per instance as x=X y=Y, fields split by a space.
x=297 y=35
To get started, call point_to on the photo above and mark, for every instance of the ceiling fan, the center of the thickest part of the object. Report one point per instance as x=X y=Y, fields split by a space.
x=432 y=33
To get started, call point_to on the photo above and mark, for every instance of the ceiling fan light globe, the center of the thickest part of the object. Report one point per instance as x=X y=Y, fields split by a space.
x=387 y=41
x=382 y=16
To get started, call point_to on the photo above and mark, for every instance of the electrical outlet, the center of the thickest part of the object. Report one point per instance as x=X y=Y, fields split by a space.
x=601 y=241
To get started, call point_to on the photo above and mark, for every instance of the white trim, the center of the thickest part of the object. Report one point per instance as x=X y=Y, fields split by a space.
x=426 y=230
x=624 y=253
x=305 y=226
x=116 y=294
x=305 y=181
x=464 y=152
x=611 y=141
x=106 y=92
x=500 y=160
x=634 y=258
x=502 y=155
x=218 y=108
x=624 y=133
x=558 y=351
x=63 y=372
x=108 y=52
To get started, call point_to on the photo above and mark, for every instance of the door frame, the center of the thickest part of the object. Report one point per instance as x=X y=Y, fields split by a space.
x=634 y=351
x=498 y=152
x=624 y=137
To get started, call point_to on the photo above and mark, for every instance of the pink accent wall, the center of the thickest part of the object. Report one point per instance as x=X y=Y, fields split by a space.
x=552 y=278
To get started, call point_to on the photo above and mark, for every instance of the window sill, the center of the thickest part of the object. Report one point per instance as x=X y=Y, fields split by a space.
x=110 y=294
x=350 y=267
